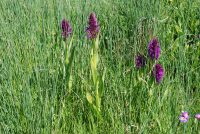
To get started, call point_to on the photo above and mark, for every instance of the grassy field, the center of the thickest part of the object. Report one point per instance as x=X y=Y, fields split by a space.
x=38 y=95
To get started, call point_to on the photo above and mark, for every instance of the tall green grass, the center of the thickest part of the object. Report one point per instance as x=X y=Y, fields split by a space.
x=34 y=98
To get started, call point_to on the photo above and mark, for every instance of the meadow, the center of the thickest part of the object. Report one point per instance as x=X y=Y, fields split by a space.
x=76 y=85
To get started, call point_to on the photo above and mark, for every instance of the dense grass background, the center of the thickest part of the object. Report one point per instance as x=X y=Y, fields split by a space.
x=34 y=98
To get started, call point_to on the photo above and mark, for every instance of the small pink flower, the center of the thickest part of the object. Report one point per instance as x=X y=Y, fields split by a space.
x=184 y=117
x=197 y=116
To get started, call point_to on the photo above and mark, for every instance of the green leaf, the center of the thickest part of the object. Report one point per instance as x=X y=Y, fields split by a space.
x=178 y=29
x=89 y=97
x=70 y=83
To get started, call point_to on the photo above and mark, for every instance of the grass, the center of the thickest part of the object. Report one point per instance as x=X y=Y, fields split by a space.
x=34 y=98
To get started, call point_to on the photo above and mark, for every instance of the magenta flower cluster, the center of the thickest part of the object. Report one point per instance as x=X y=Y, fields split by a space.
x=154 y=54
x=140 y=61
x=158 y=72
x=184 y=117
x=154 y=49
x=92 y=30
x=66 y=28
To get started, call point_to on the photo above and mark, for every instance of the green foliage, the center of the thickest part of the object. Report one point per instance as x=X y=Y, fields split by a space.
x=38 y=96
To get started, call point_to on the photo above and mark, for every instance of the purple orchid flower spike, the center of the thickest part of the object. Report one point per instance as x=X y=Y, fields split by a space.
x=158 y=72
x=154 y=49
x=66 y=28
x=93 y=28
x=140 y=61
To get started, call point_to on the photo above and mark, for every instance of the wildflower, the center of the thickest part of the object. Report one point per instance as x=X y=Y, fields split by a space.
x=140 y=61
x=93 y=28
x=184 y=117
x=197 y=116
x=158 y=72
x=66 y=28
x=154 y=49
